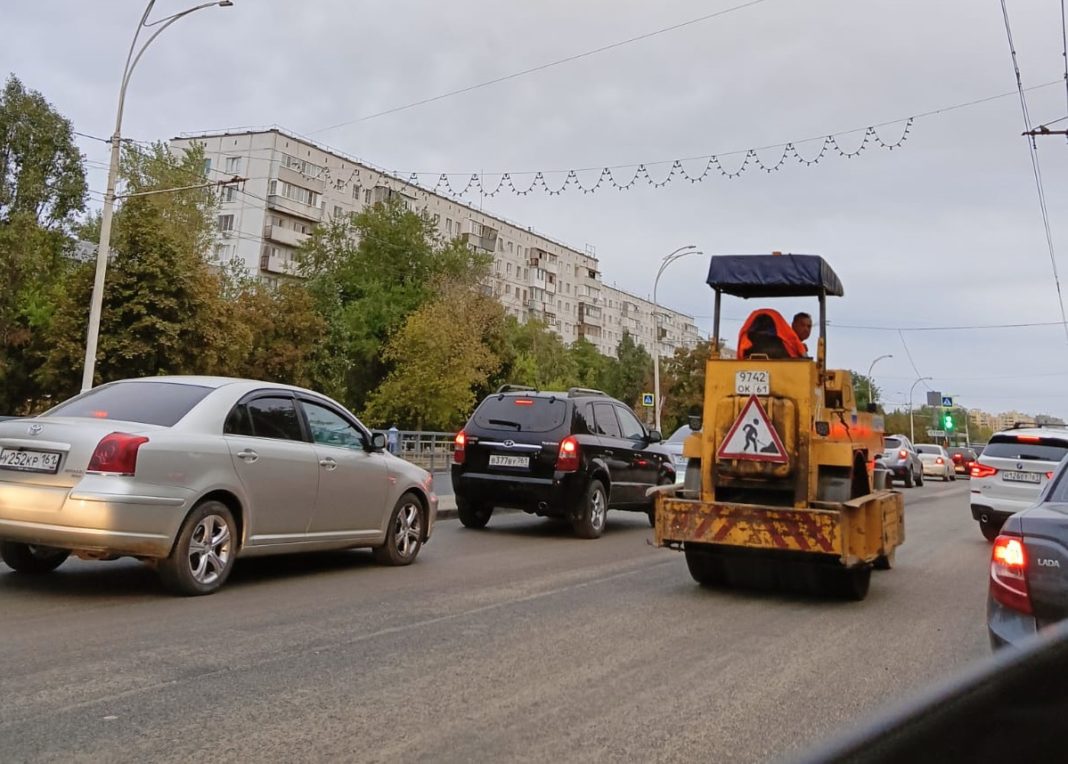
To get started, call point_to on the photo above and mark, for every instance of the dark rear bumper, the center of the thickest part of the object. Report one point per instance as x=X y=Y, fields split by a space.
x=554 y=496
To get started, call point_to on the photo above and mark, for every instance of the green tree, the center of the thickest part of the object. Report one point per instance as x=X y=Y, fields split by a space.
x=860 y=391
x=632 y=374
x=682 y=384
x=438 y=362
x=164 y=308
x=590 y=366
x=536 y=356
x=367 y=275
x=42 y=190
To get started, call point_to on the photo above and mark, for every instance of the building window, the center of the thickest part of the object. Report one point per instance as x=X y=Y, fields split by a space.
x=367 y=196
x=226 y=223
x=500 y=245
x=356 y=193
x=228 y=193
x=300 y=194
x=233 y=165
x=510 y=247
x=272 y=187
x=507 y=288
x=207 y=167
x=508 y=269
x=338 y=212
x=448 y=226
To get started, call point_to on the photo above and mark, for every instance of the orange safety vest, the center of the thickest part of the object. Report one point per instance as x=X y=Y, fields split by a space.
x=795 y=348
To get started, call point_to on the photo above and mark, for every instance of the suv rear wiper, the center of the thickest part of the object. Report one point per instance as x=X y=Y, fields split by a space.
x=507 y=422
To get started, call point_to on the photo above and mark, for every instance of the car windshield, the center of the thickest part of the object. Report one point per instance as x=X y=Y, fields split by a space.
x=160 y=403
x=515 y=413
x=891 y=443
x=1027 y=447
x=927 y=449
x=680 y=434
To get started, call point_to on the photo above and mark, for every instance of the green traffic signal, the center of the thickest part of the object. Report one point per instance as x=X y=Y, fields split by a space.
x=949 y=422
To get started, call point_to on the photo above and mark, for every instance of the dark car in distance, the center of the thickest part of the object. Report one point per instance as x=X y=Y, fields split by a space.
x=963 y=459
x=573 y=455
x=1029 y=567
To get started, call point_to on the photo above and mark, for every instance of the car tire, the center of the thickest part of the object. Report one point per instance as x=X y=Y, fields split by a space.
x=989 y=530
x=909 y=479
x=592 y=511
x=404 y=534
x=32 y=559
x=845 y=583
x=705 y=568
x=885 y=561
x=473 y=515
x=204 y=552
x=919 y=478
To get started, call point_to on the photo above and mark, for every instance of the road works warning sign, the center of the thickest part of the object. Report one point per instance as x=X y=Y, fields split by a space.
x=753 y=437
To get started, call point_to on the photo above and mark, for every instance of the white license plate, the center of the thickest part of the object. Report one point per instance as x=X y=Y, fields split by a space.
x=28 y=461
x=752 y=383
x=503 y=460
x=1022 y=477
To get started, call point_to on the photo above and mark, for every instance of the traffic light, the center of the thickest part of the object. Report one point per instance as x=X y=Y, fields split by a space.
x=947 y=421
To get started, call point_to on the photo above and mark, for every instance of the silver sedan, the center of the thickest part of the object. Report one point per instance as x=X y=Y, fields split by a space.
x=189 y=473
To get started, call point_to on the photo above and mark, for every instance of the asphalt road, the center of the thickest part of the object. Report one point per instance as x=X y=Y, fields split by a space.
x=516 y=643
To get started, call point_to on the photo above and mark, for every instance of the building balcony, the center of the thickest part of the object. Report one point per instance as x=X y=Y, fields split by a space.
x=278 y=263
x=286 y=236
x=295 y=178
x=589 y=332
x=591 y=315
x=296 y=209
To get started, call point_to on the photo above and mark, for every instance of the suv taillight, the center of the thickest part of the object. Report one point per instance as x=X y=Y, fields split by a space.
x=459 y=452
x=983 y=470
x=567 y=460
x=1008 y=574
x=902 y=454
x=116 y=454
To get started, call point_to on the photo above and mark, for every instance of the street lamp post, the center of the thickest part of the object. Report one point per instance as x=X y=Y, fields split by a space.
x=912 y=425
x=97 y=302
x=888 y=355
x=681 y=252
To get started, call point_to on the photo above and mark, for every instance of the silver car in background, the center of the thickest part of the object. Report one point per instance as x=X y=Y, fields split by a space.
x=936 y=461
x=674 y=447
x=189 y=473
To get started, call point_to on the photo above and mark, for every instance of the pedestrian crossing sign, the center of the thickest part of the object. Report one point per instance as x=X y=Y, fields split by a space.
x=753 y=437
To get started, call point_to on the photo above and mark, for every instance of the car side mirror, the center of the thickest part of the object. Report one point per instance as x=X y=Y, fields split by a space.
x=654 y=436
x=378 y=441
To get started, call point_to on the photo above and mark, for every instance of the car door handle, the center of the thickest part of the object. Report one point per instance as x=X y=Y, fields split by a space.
x=328 y=464
x=248 y=455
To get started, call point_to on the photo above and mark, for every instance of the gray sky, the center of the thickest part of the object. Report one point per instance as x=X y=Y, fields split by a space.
x=943 y=231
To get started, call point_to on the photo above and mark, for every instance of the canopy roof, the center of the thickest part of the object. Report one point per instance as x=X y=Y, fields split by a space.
x=773 y=276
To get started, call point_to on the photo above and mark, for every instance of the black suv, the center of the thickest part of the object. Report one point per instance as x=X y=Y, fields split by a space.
x=571 y=455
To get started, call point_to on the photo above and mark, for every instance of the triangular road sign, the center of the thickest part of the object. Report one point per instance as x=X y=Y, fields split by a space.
x=753 y=437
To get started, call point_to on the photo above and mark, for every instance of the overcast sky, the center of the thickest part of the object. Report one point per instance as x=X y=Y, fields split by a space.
x=944 y=231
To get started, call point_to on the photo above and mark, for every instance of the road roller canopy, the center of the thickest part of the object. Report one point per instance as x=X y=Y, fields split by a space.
x=774 y=275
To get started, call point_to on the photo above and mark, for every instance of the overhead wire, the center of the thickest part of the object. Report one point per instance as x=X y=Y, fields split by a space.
x=540 y=67
x=1032 y=148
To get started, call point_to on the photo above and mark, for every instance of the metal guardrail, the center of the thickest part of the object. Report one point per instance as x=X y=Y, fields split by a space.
x=430 y=450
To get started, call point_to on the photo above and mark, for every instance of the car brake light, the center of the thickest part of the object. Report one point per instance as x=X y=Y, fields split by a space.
x=1027 y=439
x=902 y=454
x=938 y=460
x=1049 y=476
x=983 y=470
x=459 y=452
x=956 y=457
x=116 y=454
x=1008 y=574
x=567 y=460
x=524 y=402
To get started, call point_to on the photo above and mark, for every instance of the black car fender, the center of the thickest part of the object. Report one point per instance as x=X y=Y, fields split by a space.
x=598 y=470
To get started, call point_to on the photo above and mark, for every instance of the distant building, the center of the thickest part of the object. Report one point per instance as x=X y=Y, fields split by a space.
x=295 y=184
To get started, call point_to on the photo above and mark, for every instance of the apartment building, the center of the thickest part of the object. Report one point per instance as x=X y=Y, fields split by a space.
x=294 y=184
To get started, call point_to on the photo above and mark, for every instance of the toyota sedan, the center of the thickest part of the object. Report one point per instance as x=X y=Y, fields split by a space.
x=190 y=473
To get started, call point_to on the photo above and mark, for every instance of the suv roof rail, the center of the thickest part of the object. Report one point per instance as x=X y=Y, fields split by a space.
x=573 y=392
x=1035 y=425
x=516 y=389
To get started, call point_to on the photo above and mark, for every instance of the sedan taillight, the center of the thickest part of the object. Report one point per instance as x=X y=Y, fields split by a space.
x=116 y=454
x=1008 y=574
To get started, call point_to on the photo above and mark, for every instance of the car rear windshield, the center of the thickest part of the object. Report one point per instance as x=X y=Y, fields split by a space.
x=1026 y=447
x=162 y=403
x=967 y=453
x=928 y=450
x=890 y=443
x=515 y=413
